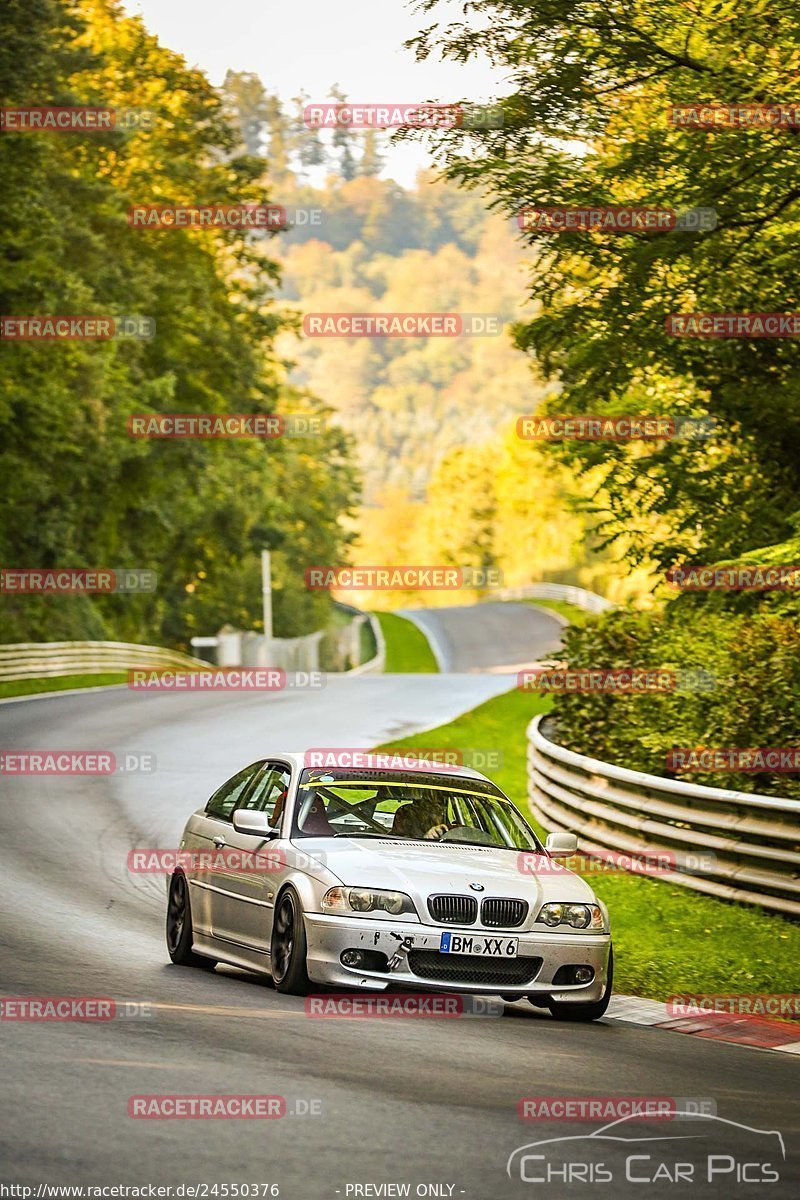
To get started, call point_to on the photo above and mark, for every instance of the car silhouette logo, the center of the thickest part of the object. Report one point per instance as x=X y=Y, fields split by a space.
x=623 y=1134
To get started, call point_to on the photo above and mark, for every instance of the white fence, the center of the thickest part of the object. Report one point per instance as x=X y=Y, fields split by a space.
x=234 y=648
x=735 y=845
x=580 y=597
x=37 y=660
x=377 y=664
x=339 y=650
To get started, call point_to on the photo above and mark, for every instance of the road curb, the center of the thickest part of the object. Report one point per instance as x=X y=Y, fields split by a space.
x=759 y=1032
x=432 y=638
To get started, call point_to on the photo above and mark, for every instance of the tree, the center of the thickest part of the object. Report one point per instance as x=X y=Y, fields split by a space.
x=280 y=140
x=371 y=161
x=587 y=123
x=83 y=493
x=308 y=143
x=342 y=140
x=248 y=103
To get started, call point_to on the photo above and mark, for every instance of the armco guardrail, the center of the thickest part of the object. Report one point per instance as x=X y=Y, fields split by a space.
x=36 y=660
x=735 y=845
x=580 y=597
x=377 y=664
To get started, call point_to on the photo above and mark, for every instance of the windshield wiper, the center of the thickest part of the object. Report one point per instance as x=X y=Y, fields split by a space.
x=364 y=833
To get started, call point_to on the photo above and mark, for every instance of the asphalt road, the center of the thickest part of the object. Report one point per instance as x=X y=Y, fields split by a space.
x=397 y=1102
x=488 y=637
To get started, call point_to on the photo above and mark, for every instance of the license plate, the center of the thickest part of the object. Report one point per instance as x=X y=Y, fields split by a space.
x=480 y=944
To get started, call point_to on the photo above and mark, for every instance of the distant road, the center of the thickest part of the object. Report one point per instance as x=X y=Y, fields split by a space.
x=488 y=637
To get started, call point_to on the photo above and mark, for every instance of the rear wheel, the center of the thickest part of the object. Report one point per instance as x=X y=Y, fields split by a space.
x=179 y=926
x=288 y=947
x=564 y=1011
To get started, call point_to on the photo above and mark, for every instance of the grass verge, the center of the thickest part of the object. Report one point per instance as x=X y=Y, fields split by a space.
x=575 y=615
x=667 y=939
x=30 y=687
x=408 y=651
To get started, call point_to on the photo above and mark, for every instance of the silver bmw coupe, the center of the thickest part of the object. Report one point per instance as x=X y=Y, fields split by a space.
x=392 y=873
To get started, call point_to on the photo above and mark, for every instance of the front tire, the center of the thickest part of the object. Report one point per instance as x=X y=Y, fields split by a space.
x=288 y=947
x=180 y=934
x=564 y=1011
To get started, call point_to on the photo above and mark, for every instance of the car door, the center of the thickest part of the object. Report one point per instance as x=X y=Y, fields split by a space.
x=210 y=830
x=243 y=907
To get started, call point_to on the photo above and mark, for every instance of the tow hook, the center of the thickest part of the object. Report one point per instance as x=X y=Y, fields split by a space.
x=401 y=951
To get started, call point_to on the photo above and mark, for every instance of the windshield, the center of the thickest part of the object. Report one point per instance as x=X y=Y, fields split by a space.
x=408 y=807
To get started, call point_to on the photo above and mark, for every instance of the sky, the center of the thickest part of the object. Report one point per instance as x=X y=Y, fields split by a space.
x=307 y=45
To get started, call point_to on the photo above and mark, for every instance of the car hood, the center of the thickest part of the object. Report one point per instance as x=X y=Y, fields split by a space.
x=423 y=868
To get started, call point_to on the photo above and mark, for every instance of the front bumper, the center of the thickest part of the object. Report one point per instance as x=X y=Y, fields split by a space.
x=328 y=936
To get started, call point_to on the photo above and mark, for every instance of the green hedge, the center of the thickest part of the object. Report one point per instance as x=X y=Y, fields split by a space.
x=754 y=658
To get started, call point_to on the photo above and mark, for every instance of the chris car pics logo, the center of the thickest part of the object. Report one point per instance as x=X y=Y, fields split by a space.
x=698 y=1149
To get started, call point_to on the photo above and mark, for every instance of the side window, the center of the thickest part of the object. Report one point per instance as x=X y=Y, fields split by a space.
x=226 y=798
x=269 y=794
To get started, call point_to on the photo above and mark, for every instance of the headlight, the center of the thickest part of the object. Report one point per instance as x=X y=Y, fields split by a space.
x=579 y=916
x=366 y=900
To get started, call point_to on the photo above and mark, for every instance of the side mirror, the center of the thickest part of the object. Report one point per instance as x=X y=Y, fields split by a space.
x=560 y=845
x=255 y=823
